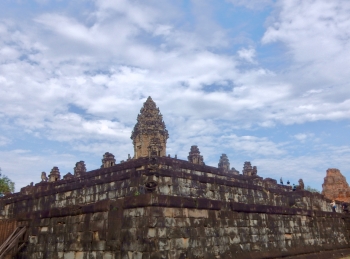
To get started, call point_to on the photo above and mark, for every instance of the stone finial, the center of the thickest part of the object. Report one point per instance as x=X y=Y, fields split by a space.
x=150 y=134
x=108 y=160
x=43 y=177
x=249 y=170
x=80 y=168
x=224 y=163
x=54 y=174
x=194 y=156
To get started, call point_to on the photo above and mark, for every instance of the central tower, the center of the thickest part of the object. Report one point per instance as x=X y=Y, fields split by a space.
x=149 y=135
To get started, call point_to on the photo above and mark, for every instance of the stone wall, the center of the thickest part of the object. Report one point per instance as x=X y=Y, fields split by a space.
x=178 y=178
x=171 y=208
x=158 y=226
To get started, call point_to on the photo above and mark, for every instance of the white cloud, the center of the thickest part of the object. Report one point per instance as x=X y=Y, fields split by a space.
x=302 y=137
x=31 y=165
x=252 y=4
x=4 y=141
x=82 y=79
x=247 y=54
x=316 y=34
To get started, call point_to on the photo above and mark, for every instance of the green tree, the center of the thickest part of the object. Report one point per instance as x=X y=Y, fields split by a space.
x=6 y=185
x=308 y=188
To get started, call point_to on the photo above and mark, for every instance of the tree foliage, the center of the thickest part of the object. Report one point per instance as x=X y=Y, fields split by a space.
x=6 y=185
x=308 y=188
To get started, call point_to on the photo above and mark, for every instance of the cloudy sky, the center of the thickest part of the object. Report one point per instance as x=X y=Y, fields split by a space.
x=260 y=80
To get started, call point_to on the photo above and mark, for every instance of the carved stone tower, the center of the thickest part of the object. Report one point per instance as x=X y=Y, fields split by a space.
x=194 y=156
x=249 y=170
x=79 y=168
x=224 y=163
x=149 y=135
x=54 y=174
x=108 y=160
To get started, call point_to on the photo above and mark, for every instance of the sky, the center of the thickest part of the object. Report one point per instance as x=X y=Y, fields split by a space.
x=265 y=81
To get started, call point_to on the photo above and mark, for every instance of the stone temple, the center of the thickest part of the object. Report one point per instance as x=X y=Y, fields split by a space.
x=154 y=206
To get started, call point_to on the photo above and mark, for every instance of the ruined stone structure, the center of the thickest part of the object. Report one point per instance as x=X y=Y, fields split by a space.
x=153 y=206
x=335 y=186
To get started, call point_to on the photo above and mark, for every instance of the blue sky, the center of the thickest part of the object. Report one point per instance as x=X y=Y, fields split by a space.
x=262 y=81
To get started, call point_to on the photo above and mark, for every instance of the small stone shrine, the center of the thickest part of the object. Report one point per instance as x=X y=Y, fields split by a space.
x=153 y=206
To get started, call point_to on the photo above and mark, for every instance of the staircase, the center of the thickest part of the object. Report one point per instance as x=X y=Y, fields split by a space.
x=15 y=241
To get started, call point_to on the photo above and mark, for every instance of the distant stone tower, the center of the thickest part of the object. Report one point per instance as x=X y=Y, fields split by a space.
x=54 y=174
x=249 y=170
x=108 y=160
x=224 y=163
x=149 y=135
x=194 y=156
x=79 y=168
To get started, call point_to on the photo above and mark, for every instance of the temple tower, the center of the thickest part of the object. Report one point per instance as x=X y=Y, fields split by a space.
x=224 y=163
x=108 y=160
x=149 y=135
x=54 y=174
x=194 y=156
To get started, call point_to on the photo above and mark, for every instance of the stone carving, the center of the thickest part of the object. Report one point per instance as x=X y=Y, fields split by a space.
x=108 y=160
x=44 y=177
x=153 y=165
x=149 y=135
x=301 y=184
x=54 y=174
x=80 y=168
x=335 y=186
x=195 y=156
x=249 y=170
x=151 y=183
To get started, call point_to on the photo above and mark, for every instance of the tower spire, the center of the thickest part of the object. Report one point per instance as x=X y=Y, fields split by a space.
x=149 y=135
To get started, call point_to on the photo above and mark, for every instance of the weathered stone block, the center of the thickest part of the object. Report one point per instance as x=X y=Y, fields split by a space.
x=69 y=255
x=98 y=245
